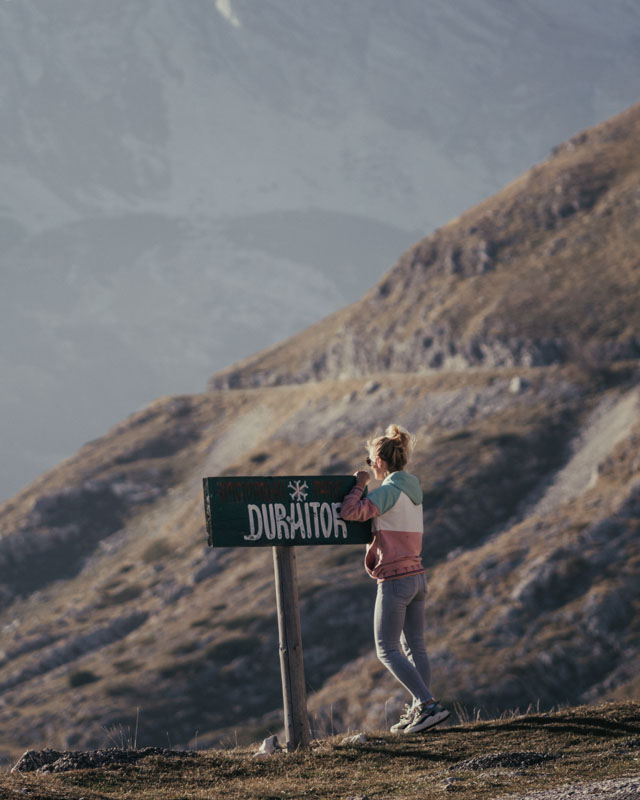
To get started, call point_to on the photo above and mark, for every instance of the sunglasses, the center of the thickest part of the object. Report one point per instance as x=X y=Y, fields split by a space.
x=370 y=463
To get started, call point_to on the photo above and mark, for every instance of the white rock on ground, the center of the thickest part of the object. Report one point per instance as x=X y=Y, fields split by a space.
x=268 y=747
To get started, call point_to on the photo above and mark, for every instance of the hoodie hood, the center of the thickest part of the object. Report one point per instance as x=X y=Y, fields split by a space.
x=406 y=483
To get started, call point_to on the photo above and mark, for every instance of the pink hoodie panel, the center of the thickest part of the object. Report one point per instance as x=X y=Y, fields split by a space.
x=391 y=553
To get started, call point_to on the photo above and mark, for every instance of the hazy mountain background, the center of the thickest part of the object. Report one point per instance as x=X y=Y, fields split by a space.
x=187 y=182
x=507 y=340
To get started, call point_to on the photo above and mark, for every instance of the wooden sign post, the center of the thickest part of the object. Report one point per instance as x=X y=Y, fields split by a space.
x=294 y=692
x=280 y=513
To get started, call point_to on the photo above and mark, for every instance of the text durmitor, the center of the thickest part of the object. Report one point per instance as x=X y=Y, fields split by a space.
x=303 y=521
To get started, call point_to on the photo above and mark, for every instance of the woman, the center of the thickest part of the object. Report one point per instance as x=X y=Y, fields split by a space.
x=393 y=559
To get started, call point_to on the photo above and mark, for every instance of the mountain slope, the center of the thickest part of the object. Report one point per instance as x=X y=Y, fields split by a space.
x=114 y=612
x=112 y=602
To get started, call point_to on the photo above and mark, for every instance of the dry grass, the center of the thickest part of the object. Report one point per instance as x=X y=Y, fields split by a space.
x=484 y=759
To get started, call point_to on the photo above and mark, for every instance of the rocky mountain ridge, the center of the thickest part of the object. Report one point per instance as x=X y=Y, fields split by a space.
x=491 y=286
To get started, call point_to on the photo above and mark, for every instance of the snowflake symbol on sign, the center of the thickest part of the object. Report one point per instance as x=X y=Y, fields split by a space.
x=298 y=491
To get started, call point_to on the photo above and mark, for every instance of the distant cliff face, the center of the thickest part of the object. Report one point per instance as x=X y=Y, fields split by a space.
x=528 y=424
x=545 y=272
x=237 y=107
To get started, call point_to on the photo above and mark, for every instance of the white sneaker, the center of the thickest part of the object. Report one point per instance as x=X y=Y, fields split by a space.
x=426 y=716
x=405 y=719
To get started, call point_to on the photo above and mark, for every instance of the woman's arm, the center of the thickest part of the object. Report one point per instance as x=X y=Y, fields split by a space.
x=355 y=507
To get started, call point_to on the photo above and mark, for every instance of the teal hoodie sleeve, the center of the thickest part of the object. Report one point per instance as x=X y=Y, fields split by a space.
x=407 y=483
x=385 y=497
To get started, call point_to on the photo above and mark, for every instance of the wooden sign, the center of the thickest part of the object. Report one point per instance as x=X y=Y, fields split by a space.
x=282 y=512
x=276 y=511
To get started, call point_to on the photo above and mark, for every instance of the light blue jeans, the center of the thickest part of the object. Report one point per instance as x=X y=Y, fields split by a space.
x=399 y=620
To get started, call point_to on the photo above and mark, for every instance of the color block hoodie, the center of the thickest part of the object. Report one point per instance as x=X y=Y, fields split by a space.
x=396 y=510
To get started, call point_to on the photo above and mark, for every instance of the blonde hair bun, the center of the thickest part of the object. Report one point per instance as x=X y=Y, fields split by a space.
x=394 y=446
x=396 y=432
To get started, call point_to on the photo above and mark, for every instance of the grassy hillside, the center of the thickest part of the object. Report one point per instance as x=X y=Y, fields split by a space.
x=144 y=616
x=115 y=613
x=579 y=752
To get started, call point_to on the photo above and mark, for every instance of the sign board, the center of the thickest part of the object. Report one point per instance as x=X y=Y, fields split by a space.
x=276 y=511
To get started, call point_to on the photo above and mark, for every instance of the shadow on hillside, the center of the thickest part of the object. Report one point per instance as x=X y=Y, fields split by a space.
x=454 y=742
x=591 y=725
x=413 y=753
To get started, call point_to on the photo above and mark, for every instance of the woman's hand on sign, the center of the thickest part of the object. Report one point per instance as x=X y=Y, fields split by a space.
x=362 y=477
